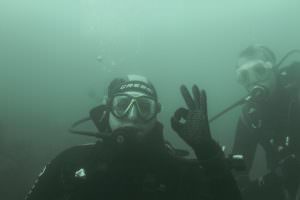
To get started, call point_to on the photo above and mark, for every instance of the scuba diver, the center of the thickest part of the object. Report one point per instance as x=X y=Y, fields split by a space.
x=132 y=160
x=270 y=118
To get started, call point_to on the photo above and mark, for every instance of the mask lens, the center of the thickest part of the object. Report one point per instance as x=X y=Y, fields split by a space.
x=243 y=77
x=261 y=72
x=120 y=105
x=146 y=107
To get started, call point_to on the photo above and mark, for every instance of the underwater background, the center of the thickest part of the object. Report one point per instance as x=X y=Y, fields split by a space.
x=57 y=58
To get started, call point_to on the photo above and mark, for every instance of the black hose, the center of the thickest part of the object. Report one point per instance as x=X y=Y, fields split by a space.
x=86 y=133
x=239 y=102
x=288 y=54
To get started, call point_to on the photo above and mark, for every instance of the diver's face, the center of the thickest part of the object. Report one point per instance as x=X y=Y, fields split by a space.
x=256 y=73
x=133 y=109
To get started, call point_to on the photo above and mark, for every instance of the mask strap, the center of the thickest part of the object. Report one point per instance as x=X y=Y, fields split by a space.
x=81 y=132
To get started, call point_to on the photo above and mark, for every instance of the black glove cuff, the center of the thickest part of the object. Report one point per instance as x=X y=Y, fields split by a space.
x=212 y=159
x=206 y=149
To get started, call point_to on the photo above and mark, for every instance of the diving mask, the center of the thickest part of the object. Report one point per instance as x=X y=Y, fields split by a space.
x=122 y=103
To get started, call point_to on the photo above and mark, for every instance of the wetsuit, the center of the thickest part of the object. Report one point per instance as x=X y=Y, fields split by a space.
x=275 y=126
x=107 y=171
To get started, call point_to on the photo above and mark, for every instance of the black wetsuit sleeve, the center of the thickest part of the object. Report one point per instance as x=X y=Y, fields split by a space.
x=225 y=187
x=222 y=184
x=48 y=185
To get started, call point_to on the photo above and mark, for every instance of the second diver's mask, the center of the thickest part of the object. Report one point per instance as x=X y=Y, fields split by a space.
x=257 y=77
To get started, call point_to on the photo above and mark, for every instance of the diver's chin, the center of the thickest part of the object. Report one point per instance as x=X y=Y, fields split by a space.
x=139 y=131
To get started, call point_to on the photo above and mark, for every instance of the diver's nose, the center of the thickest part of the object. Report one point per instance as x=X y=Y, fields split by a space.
x=133 y=113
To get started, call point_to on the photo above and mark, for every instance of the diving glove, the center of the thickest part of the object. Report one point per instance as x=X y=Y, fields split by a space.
x=192 y=125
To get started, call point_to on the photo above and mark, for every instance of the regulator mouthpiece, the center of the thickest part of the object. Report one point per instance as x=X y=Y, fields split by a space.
x=125 y=135
x=257 y=94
